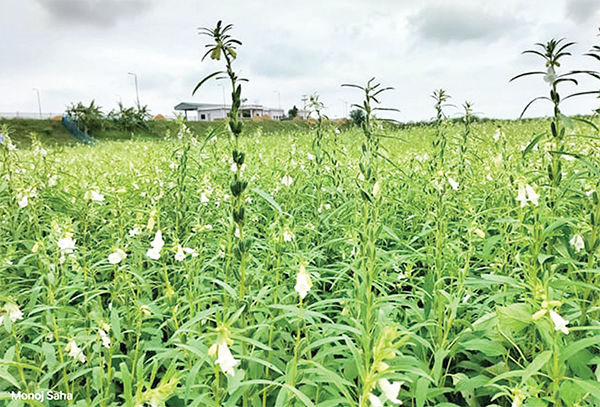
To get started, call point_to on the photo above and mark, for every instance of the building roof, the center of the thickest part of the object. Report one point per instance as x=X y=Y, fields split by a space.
x=209 y=106
x=196 y=106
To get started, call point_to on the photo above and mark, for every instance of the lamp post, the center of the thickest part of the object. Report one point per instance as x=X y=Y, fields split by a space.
x=137 y=95
x=39 y=102
x=304 y=99
x=345 y=107
x=278 y=98
x=223 y=87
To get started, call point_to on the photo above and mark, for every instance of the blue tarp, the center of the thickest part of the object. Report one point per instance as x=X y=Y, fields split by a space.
x=72 y=127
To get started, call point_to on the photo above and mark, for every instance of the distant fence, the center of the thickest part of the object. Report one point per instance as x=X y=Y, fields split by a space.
x=27 y=115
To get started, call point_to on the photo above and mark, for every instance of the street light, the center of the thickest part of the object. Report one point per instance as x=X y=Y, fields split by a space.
x=137 y=95
x=223 y=87
x=39 y=103
x=278 y=97
x=304 y=99
x=345 y=107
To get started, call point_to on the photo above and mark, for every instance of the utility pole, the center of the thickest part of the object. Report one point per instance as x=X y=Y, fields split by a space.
x=39 y=102
x=137 y=95
x=345 y=108
x=223 y=87
x=304 y=100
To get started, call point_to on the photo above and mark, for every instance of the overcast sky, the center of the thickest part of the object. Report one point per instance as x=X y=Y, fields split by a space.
x=79 y=50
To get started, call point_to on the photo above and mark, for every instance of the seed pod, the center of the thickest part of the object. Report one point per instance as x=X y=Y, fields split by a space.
x=237 y=187
x=238 y=215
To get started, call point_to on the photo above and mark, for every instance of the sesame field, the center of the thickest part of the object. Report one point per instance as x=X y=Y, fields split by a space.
x=446 y=265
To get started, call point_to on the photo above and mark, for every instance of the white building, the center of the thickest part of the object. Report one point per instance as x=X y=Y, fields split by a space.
x=210 y=112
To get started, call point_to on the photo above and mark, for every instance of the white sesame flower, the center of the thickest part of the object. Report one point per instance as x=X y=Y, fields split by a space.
x=559 y=323
x=153 y=253
x=157 y=245
x=158 y=241
x=75 y=352
x=135 y=231
x=522 y=196
x=237 y=233
x=550 y=76
x=117 y=256
x=375 y=402
x=24 y=201
x=105 y=338
x=531 y=195
x=180 y=255
x=480 y=233
x=93 y=196
x=52 y=180
x=390 y=390
x=376 y=189
x=288 y=236
x=310 y=156
x=497 y=135
x=303 y=283
x=190 y=251
x=225 y=359
x=287 y=180
x=13 y=312
x=204 y=198
x=66 y=244
x=577 y=242
x=453 y=183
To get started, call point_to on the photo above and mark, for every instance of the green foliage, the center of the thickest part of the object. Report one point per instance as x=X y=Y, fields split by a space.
x=477 y=342
x=293 y=112
x=88 y=118
x=129 y=118
x=357 y=116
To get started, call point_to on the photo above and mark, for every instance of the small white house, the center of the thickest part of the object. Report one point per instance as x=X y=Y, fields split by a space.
x=210 y=112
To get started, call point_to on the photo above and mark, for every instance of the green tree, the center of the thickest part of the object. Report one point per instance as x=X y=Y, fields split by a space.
x=88 y=118
x=357 y=117
x=293 y=112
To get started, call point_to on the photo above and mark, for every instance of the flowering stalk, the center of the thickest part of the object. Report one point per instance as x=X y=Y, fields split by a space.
x=8 y=157
x=224 y=46
x=439 y=142
x=316 y=106
x=462 y=148
x=552 y=52
x=370 y=189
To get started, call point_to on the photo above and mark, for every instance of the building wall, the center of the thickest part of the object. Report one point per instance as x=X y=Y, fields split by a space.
x=211 y=114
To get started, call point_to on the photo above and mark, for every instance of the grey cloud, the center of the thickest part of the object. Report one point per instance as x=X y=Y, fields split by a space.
x=100 y=13
x=580 y=11
x=282 y=60
x=452 y=23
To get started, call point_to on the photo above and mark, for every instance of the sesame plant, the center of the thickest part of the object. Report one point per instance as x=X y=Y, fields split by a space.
x=553 y=52
x=464 y=141
x=123 y=281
